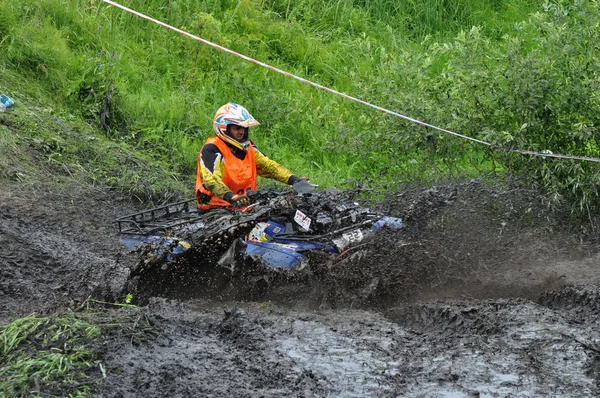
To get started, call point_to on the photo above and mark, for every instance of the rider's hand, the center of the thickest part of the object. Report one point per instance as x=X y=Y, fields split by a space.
x=240 y=201
x=303 y=186
x=294 y=179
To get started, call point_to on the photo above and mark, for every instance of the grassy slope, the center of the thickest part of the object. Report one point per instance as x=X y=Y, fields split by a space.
x=491 y=70
x=40 y=140
x=160 y=90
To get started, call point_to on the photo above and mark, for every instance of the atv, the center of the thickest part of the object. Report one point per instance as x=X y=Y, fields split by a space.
x=279 y=232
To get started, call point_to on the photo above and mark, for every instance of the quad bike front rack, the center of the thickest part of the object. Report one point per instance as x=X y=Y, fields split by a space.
x=161 y=218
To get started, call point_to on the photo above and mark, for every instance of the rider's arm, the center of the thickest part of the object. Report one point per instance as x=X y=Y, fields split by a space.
x=213 y=170
x=268 y=168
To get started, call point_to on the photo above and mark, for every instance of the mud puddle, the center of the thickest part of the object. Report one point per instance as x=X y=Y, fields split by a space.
x=466 y=303
x=468 y=348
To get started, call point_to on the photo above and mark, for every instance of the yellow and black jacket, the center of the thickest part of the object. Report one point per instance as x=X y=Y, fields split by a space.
x=224 y=171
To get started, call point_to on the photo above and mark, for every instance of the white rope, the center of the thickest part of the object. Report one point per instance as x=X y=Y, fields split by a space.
x=410 y=119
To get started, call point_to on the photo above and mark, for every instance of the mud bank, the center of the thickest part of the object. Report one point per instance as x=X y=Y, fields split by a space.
x=58 y=248
x=476 y=297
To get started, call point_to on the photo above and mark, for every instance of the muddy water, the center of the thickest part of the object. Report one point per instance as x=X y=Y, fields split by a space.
x=500 y=348
x=464 y=303
x=490 y=348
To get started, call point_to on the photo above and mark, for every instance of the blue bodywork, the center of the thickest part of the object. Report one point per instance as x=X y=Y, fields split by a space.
x=390 y=222
x=283 y=255
x=168 y=246
x=267 y=242
x=271 y=246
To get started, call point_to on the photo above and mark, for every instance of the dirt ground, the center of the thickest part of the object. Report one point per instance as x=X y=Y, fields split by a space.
x=477 y=297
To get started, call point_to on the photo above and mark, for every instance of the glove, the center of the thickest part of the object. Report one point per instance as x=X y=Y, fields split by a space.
x=240 y=201
x=303 y=186
x=294 y=179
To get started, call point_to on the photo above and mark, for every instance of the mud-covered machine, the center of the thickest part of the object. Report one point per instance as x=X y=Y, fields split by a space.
x=279 y=230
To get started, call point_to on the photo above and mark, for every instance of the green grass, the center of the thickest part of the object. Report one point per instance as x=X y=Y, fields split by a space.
x=481 y=68
x=41 y=138
x=410 y=18
x=163 y=90
x=56 y=355
x=46 y=356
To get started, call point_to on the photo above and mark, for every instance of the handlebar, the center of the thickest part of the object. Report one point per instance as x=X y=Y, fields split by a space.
x=262 y=196
x=299 y=188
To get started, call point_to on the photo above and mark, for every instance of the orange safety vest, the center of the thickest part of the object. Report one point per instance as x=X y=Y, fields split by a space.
x=239 y=175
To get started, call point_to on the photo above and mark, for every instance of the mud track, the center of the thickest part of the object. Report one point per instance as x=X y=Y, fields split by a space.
x=475 y=298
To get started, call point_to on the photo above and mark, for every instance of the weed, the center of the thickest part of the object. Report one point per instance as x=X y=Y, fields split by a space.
x=55 y=355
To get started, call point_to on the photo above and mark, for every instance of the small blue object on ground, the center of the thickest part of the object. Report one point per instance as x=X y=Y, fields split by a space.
x=6 y=101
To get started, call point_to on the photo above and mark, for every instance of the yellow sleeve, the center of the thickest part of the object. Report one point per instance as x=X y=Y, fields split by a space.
x=213 y=181
x=268 y=168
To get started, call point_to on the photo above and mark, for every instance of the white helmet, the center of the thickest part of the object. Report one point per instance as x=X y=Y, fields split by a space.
x=232 y=113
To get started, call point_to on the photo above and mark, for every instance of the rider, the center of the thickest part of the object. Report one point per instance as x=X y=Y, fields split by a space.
x=229 y=163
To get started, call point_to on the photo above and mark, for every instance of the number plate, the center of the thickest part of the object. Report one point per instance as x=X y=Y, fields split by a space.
x=302 y=219
x=353 y=236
